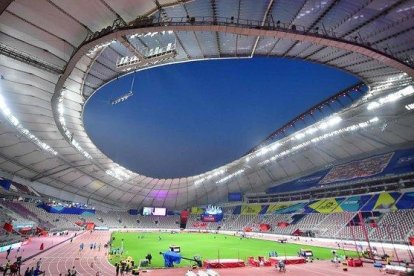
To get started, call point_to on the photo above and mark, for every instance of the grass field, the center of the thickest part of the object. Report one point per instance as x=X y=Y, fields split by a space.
x=208 y=246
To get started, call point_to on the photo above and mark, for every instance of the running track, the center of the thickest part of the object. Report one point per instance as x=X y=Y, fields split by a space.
x=88 y=262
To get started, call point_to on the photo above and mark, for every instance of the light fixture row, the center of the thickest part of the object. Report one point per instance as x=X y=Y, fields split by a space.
x=320 y=138
x=209 y=176
x=392 y=97
x=230 y=176
x=69 y=135
x=322 y=126
x=15 y=122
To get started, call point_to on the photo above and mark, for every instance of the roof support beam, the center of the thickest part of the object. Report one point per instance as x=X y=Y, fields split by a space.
x=124 y=40
x=214 y=9
x=265 y=16
x=43 y=175
x=25 y=58
x=372 y=19
x=343 y=20
x=327 y=10
x=4 y=4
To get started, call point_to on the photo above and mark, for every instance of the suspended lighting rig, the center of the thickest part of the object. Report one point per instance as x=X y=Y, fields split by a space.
x=148 y=57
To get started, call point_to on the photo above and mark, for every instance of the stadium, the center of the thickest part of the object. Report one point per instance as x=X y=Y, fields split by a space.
x=329 y=191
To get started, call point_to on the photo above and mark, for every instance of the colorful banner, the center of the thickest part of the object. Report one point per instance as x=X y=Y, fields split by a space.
x=197 y=210
x=133 y=212
x=235 y=197
x=199 y=224
x=211 y=218
x=8 y=227
x=89 y=226
x=327 y=206
x=295 y=208
x=275 y=207
x=5 y=183
x=66 y=210
x=406 y=201
x=386 y=201
x=251 y=209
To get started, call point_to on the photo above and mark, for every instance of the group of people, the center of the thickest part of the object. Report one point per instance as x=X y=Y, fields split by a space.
x=92 y=246
x=34 y=271
x=124 y=267
x=71 y=272
x=12 y=267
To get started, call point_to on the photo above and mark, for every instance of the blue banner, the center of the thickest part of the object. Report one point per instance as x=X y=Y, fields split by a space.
x=66 y=210
x=235 y=197
x=5 y=183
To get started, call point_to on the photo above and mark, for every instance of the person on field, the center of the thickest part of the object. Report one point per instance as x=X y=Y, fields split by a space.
x=116 y=269
x=149 y=258
x=282 y=266
x=6 y=267
x=8 y=252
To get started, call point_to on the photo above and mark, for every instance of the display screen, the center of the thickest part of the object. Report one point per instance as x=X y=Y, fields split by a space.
x=235 y=197
x=151 y=211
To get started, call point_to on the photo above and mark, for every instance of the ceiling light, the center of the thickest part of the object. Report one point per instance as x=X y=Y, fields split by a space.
x=407 y=91
x=373 y=105
x=333 y=121
x=230 y=176
x=325 y=136
x=323 y=126
x=210 y=175
x=299 y=136
x=274 y=146
x=15 y=122
x=311 y=130
x=409 y=106
x=151 y=56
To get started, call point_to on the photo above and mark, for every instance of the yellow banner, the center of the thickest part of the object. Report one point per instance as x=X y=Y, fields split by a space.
x=251 y=209
x=385 y=201
x=196 y=211
x=326 y=206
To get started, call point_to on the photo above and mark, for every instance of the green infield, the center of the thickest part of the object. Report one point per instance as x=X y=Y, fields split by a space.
x=207 y=246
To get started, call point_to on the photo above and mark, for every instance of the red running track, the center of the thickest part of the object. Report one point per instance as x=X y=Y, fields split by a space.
x=65 y=256
x=33 y=246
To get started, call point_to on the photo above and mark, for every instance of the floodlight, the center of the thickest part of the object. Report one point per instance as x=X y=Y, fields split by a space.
x=409 y=106
x=311 y=130
x=335 y=120
x=373 y=105
x=323 y=126
x=299 y=136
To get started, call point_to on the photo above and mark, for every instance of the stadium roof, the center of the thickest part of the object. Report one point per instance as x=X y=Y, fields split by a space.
x=55 y=54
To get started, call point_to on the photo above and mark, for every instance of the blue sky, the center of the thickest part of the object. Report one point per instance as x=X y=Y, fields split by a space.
x=188 y=118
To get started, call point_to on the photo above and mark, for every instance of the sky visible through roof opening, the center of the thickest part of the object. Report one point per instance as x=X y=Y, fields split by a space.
x=186 y=119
